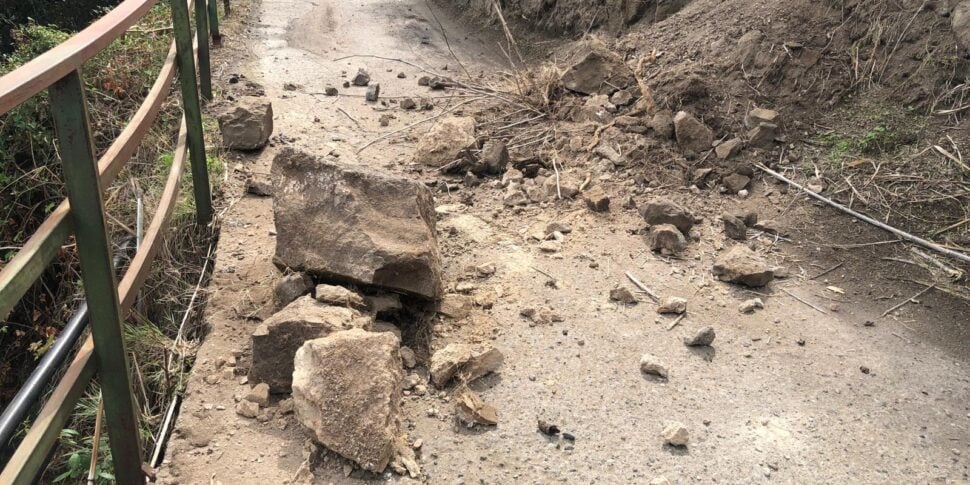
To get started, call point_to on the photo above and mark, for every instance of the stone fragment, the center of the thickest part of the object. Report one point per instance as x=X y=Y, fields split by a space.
x=676 y=434
x=470 y=409
x=383 y=303
x=664 y=211
x=621 y=98
x=702 y=338
x=291 y=287
x=550 y=246
x=742 y=266
x=467 y=361
x=455 y=306
x=259 y=394
x=247 y=409
x=692 y=135
x=362 y=78
x=247 y=125
x=408 y=359
x=338 y=296
x=960 y=24
x=495 y=157
x=596 y=70
x=276 y=340
x=667 y=238
x=651 y=365
x=348 y=224
x=623 y=295
x=596 y=200
x=445 y=141
x=347 y=393
x=734 y=228
x=373 y=92
x=438 y=83
x=424 y=80
x=672 y=305
x=662 y=124
x=514 y=196
x=749 y=306
x=567 y=186
x=761 y=115
x=728 y=148
x=259 y=186
x=408 y=104
x=330 y=91
x=763 y=135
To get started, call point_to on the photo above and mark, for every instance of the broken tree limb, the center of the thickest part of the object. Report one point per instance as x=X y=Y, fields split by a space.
x=803 y=301
x=643 y=287
x=900 y=304
x=904 y=235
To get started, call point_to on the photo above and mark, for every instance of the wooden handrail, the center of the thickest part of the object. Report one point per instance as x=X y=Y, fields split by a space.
x=49 y=67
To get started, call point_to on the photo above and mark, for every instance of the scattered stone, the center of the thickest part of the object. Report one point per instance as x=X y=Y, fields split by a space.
x=596 y=70
x=596 y=200
x=277 y=339
x=568 y=437
x=424 y=81
x=674 y=305
x=734 y=228
x=736 y=182
x=749 y=306
x=621 y=98
x=437 y=83
x=662 y=124
x=692 y=135
x=651 y=365
x=373 y=92
x=408 y=104
x=259 y=394
x=362 y=78
x=729 y=148
x=763 y=135
x=567 y=186
x=470 y=409
x=742 y=266
x=291 y=287
x=661 y=480
x=401 y=75
x=495 y=157
x=248 y=125
x=623 y=295
x=445 y=141
x=761 y=115
x=383 y=303
x=338 y=295
x=355 y=416
x=485 y=270
x=667 y=238
x=350 y=224
x=330 y=91
x=704 y=337
x=676 y=434
x=550 y=246
x=290 y=87
x=471 y=180
x=286 y=406
x=456 y=307
x=408 y=358
x=664 y=211
x=960 y=24
x=547 y=428
x=259 y=185
x=467 y=361
x=385 y=119
x=247 y=409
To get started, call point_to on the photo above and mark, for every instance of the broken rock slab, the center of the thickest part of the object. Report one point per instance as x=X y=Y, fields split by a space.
x=596 y=70
x=247 y=125
x=465 y=360
x=743 y=266
x=471 y=409
x=276 y=340
x=445 y=141
x=347 y=393
x=347 y=224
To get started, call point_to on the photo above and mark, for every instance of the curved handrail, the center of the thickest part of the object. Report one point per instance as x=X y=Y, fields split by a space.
x=49 y=67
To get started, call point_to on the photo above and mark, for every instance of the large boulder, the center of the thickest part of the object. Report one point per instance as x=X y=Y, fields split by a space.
x=276 y=340
x=445 y=141
x=347 y=393
x=348 y=224
x=596 y=70
x=743 y=266
x=247 y=125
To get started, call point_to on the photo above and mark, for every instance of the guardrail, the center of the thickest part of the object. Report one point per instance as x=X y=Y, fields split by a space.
x=59 y=71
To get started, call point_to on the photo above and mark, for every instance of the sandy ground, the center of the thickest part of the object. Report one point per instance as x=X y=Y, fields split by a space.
x=781 y=397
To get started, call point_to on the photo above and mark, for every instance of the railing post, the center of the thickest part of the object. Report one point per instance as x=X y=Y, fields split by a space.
x=193 y=112
x=202 y=35
x=226 y=7
x=214 y=22
x=101 y=291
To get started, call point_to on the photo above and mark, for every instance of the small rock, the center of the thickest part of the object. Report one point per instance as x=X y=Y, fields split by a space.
x=373 y=92
x=291 y=287
x=259 y=394
x=471 y=409
x=445 y=141
x=424 y=81
x=676 y=434
x=362 y=78
x=596 y=200
x=672 y=305
x=401 y=75
x=247 y=125
x=762 y=135
x=761 y=115
x=749 y=306
x=662 y=124
x=702 y=338
x=664 y=211
x=547 y=428
x=551 y=246
x=495 y=157
x=408 y=104
x=259 y=185
x=467 y=361
x=623 y=295
x=247 y=409
x=330 y=91
x=692 y=135
x=456 y=307
x=667 y=238
x=734 y=228
x=408 y=359
x=385 y=119
x=742 y=266
x=338 y=295
x=621 y=98
x=651 y=365
x=661 y=480
x=736 y=182
x=729 y=148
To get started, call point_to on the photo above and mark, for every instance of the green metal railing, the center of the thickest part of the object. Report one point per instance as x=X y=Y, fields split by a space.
x=60 y=72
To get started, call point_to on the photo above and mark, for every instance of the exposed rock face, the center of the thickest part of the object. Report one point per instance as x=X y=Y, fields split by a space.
x=469 y=361
x=743 y=266
x=664 y=211
x=276 y=340
x=445 y=141
x=692 y=135
x=596 y=70
x=347 y=392
x=248 y=125
x=348 y=224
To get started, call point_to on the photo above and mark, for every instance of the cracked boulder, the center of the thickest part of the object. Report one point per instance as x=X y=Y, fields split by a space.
x=347 y=224
x=276 y=340
x=247 y=125
x=347 y=393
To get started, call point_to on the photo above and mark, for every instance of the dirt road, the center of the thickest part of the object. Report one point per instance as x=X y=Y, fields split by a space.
x=791 y=394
